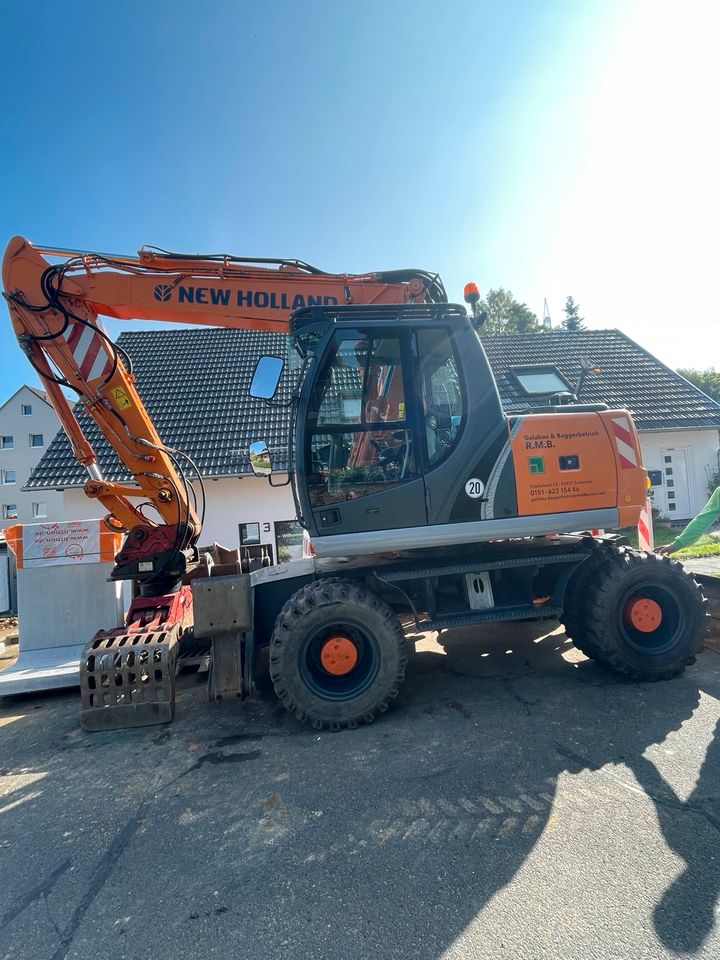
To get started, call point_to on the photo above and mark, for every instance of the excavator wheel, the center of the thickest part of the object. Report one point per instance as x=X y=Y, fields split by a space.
x=574 y=617
x=644 y=616
x=337 y=654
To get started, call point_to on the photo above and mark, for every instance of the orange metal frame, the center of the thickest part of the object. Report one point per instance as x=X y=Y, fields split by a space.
x=54 y=310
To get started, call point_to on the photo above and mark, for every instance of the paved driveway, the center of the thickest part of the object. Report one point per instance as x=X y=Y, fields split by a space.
x=520 y=802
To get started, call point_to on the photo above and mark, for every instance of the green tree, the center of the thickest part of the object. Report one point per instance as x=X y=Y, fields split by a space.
x=504 y=314
x=572 y=321
x=707 y=380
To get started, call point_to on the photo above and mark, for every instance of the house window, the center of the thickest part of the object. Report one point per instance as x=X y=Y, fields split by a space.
x=671 y=506
x=7 y=476
x=36 y=440
x=537 y=380
x=249 y=534
x=39 y=510
x=9 y=511
x=289 y=540
x=25 y=409
x=350 y=409
x=6 y=443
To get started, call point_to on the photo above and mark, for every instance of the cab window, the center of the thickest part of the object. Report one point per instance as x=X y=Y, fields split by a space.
x=360 y=441
x=442 y=402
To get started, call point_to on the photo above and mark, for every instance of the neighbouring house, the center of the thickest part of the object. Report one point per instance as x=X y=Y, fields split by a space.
x=27 y=425
x=678 y=424
x=194 y=383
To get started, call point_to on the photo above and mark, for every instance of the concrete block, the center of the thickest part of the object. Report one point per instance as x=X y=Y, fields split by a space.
x=60 y=608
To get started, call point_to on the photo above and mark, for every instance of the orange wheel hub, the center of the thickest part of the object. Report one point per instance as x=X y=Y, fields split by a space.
x=644 y=614
x=338 y=655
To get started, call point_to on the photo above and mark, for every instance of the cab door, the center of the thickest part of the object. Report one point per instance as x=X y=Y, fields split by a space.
x=361 y=465
x=467 y=476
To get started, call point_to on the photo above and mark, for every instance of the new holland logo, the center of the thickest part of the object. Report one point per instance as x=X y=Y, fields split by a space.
x=162 y=292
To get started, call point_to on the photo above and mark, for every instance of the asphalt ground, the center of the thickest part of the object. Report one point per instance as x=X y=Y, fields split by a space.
x=517 y=801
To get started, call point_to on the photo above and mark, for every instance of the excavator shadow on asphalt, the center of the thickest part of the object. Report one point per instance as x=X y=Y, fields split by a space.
x=507 y=712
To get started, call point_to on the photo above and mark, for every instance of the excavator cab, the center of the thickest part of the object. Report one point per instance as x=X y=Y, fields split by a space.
x=384 y=417
x=385 y=400
x=401 y=443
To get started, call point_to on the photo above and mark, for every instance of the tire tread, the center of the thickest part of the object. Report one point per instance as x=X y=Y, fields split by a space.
x=322 y=593
x=608 y=576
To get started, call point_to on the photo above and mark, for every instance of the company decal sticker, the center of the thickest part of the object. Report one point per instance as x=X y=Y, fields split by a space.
x=227 y=297
x=554 y=471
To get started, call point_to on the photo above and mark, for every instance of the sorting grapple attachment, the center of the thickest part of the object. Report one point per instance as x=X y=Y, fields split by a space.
x=127 y=675
x=128 y=679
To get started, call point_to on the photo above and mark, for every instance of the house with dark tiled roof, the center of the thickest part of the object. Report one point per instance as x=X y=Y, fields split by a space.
x=678 y=424
x=194 y=383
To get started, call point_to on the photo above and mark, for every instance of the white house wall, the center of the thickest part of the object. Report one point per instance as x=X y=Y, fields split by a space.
x=22 y=458
x=701 y=447
x=230 y=502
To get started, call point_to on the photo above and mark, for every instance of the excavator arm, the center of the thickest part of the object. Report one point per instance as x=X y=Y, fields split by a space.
x=55 y=308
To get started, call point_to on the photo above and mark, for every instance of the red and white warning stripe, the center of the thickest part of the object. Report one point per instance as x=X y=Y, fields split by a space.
x=89 y=349
x=624 y=443
x=646 y=540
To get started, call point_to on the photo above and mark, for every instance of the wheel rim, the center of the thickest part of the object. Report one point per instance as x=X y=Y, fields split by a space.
x=339 y=660
x=643 y=614
x=651 y=618
x=338 y=655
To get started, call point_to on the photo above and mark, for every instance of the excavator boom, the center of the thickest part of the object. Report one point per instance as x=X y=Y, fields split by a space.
x=215 y=290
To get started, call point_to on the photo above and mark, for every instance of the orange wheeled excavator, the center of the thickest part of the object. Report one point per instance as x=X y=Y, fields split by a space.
x=419 y=494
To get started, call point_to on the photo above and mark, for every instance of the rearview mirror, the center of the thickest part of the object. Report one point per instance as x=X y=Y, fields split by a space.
x=266 y=377
x=260 y=457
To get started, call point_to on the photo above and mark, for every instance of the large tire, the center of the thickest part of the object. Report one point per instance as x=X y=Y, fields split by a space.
x=574 y=615
x=322 y=610
x=654 y=645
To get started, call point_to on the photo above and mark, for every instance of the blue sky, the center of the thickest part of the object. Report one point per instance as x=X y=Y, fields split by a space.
x=551 y=148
